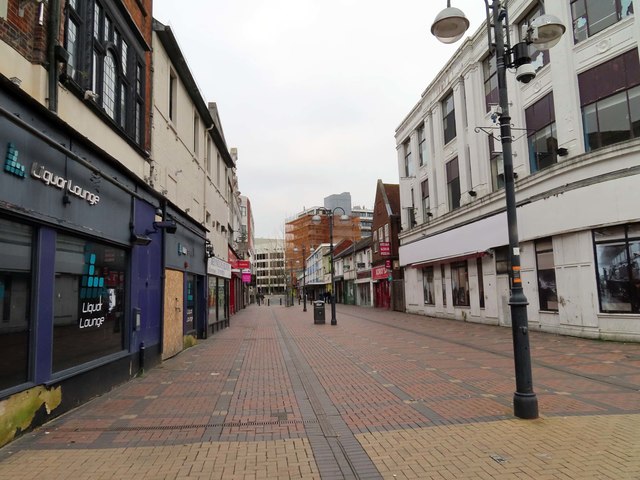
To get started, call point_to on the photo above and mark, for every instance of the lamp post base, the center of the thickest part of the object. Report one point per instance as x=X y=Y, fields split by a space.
x=525 y=405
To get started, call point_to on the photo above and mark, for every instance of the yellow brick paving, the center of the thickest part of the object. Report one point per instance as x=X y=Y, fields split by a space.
x=580 y=448
x=278 y=459
x=584 y=447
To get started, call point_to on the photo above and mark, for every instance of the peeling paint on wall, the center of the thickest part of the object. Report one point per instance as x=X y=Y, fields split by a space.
x=18 y=411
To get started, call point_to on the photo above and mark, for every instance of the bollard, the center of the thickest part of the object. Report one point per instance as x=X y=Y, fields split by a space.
x=268 y=302
x=280 y=301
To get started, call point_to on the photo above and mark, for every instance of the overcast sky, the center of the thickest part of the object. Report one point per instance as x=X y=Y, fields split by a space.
x=311 y=91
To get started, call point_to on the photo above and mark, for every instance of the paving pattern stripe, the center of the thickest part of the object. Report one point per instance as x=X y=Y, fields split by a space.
x=535 y=360
x=347 y=454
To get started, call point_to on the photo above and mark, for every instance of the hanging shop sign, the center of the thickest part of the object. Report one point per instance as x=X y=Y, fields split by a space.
x=385 y=249
x=379 y=272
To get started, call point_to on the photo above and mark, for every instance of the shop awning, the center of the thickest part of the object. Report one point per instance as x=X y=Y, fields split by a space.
x=468 y=241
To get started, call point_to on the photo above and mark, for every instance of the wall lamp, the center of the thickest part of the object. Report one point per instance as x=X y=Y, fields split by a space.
x=168 y=226
x=208 y=250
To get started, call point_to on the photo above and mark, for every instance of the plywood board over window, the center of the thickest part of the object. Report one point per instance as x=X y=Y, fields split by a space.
x=173 y=315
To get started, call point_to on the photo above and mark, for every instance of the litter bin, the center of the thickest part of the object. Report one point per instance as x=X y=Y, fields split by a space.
x=318 y=312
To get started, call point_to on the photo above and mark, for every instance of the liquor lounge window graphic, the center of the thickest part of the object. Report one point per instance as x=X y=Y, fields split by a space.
x=11 y=164
x=92 y=292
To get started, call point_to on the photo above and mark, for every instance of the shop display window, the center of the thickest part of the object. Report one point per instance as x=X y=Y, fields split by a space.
x=460 y=284
x=15 y=302
x=618 y=268
x=89 y=301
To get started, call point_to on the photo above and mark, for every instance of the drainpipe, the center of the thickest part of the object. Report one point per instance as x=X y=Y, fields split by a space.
x=53 y=32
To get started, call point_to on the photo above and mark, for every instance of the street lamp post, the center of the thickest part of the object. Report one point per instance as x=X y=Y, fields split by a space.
x=316 y=219
x=291 y=279
x=304 y=277
x=544 y=32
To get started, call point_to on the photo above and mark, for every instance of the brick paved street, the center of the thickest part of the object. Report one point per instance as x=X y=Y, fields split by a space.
x=380 y=395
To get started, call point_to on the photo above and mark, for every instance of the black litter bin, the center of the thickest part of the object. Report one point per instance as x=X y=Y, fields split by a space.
x=318 y=312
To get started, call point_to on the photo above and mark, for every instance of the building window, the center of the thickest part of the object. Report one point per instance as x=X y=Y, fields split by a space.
x=15 y=302
x=449 y=118
x=408 y=163
x=480 y=281
x=422 y=146
x=196 y=134
x=102 y=54
x=539 y=58
x=541 y=132
x=427 y=286
x=618 y=268
x=593 y=16
x=209 y=150
x=173 y=94
x=375 y=241
x=453 y=184
x=443 y=283
x=490 y=82
x=547 y=289
x=109 y=85
x=89 y=302
x=610 y=100
x=497 y=165
x=501 y=255
x=460 y=284
x=426 y=207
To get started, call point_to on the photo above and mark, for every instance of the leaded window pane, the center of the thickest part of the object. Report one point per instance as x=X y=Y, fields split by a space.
x=97 y=19
x=109 y=85
x=125 y=57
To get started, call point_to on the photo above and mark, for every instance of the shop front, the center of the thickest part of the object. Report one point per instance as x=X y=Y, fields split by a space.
x=381 y=291
x=185 y=312
x=219 y=276
x=79 y=276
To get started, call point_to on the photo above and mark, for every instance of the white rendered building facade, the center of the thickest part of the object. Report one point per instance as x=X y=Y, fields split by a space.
x=576 y=136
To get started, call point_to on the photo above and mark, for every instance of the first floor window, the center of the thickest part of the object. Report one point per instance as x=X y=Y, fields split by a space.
x=460 y=284
x=427 y=286
x=449 y=118
x=426 y=204
x=547 y=290
x=612 y=120
x=453 y=184
x=541 y=132
x=15 y=302
x=618 y=268
x=497 y=164
x=89 y=301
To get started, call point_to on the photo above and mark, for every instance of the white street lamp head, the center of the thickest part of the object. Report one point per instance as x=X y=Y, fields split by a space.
x=546 y=31
x=344 y=218
x=316 y=219
x=450 y=25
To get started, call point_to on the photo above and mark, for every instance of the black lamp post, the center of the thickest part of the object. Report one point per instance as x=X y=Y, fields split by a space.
x=316 y=219
x=291 y=279
x=304 y=277
x=544 y=32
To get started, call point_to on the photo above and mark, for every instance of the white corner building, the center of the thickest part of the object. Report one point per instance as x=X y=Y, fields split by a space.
x=576 y=154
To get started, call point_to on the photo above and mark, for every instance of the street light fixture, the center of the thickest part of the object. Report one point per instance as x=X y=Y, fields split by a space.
x=304 y=277
x=544 y=32
x=316 y=219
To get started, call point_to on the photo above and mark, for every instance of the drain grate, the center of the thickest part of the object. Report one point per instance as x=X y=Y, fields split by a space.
x=189 y=426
